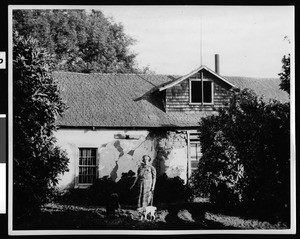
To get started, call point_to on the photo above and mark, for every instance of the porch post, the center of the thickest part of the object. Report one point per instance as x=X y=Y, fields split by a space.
x=189 y=166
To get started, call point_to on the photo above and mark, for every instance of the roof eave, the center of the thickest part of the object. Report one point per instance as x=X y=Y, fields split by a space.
x=192 y=73
x=220 y=77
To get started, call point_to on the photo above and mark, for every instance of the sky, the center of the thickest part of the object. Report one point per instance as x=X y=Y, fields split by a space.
x=249 y=40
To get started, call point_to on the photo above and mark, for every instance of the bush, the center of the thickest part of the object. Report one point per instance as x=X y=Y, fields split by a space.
x=246 y=154
x=99 y=192
x=101 y=189
x=169 y=190
x=127 y=196
x=74 y=196
x=37 y=103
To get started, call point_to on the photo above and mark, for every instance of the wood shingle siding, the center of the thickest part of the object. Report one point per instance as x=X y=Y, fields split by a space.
x=178 y=96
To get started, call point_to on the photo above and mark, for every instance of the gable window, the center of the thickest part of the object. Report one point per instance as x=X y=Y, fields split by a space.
x=87 y=166
x=201 y=91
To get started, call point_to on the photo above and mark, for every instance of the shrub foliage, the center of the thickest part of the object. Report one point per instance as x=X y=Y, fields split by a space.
x=170 y=190
x=36 y=104
x=246 y=154
x=167 y=190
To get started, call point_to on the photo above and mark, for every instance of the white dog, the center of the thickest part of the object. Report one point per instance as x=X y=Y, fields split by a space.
x=145 y=211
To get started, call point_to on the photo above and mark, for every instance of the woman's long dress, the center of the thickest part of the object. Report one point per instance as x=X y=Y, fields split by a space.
x=147 y=177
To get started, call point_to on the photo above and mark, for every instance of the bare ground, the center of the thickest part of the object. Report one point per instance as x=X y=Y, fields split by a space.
x=71 y=217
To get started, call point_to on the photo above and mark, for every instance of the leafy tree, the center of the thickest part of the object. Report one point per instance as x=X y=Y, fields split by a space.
x=146 y=70
x=285 y=70
x=36 y=104
x=246 y=153
x=285 y=74
x=81 y=41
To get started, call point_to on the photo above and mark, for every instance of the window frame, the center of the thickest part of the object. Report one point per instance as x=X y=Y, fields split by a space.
x=197 y=146
x=85 y=185
x=192 y=138
x=202 y=102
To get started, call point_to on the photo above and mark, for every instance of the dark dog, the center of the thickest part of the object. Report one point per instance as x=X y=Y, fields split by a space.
x=112 y=205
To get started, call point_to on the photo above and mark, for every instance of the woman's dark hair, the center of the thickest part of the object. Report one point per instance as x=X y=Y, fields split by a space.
x=149 y=158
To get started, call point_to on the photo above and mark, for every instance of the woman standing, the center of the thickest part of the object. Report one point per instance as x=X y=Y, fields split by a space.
x=146 y=178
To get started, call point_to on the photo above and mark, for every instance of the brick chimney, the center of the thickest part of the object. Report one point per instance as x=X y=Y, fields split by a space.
x=217 y=66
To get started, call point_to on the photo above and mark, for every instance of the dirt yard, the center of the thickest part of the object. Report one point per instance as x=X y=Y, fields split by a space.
x=174 y=217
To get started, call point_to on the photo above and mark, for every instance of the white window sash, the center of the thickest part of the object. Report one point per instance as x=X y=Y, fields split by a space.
x=202 y=102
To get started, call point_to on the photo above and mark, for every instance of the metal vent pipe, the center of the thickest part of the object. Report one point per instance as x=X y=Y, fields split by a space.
x=217 y=64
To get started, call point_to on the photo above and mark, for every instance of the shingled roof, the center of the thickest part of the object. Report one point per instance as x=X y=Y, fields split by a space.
x=122 y=100
x=266 y=87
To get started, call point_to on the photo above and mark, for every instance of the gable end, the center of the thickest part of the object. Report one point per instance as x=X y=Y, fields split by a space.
x=202 y=91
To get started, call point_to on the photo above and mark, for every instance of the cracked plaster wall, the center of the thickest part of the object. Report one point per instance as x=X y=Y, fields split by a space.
x=116 y=156
x=172 y=154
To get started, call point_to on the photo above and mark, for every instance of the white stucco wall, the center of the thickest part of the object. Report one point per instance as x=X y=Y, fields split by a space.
x=114 y=156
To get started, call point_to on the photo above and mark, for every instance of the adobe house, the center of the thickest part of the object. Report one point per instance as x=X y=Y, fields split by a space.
x=113 y=120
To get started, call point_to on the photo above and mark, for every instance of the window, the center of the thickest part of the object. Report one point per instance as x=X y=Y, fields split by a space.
x=199 y=95
x=195 y=155
x=195 y=151
x=87 y=165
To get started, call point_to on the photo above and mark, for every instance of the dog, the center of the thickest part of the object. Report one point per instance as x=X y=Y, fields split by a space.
x=145 y=211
